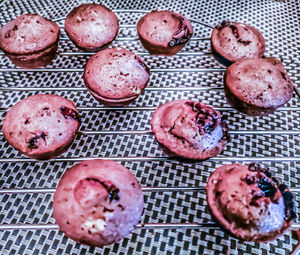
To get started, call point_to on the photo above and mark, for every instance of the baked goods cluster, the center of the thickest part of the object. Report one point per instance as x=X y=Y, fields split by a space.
x=99 y=202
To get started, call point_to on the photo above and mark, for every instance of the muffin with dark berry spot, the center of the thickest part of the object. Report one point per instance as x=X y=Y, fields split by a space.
x=190 y=130
x=249 y=202
x=92 y=26
x=257 y=86
x=30 y=41
x=116 y=76
x=41 y=126
x=231 y=41
x=164 y=32
x=98 y=202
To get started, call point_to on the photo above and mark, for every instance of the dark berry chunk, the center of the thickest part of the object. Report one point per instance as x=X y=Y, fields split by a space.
x=244 y=42
x=69 y=113
x=107 y=210
x=288 y=196
x=225 y=23
x=112 y=190
x=121 y=206
x=250 y=179
x=32 y=143
x=186 y=35
x=282 y=188
x=113 y=193
x=267 y=187
x=234 y=31
x=206 y=119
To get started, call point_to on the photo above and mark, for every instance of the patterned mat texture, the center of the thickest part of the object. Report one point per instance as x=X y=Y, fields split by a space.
x=100 y=133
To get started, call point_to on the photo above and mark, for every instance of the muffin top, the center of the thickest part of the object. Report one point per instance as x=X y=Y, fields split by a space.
x=235 y=41
x=41 y=124
x=91 y=26
x=98 y=202
x=249 y=202
x=28 y=33
x=165 y=28
x=261 y=82
x=189 y=129
x=116 y=74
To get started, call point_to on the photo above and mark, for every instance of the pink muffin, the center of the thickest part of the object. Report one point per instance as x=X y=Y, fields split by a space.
x=98 y=202
x=164 y=32
x=30 y=41
x=257 y=86
x=116 y=77
x=41 y=126
x=92 y=26
x=188 y=129
x=231 y=41
x=249 y=202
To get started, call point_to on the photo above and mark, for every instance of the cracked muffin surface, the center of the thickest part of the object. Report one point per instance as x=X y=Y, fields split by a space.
x=188 y=129
x=116 y=76
x=249 y=202
x=41 y=126
x=257 y=86
x=98 y=202
x=232 y=41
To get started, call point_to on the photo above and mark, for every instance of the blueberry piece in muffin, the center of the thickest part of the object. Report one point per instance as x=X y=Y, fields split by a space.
x=232 y=41
x=41 y=126
x=164 y=32
x=190 y=130
x=249 y=202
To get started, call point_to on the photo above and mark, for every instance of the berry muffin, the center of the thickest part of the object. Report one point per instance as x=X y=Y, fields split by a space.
x=98 y=202
x=41 y=126
x=30 y=41
x=257 y=86
x=189 y=130
x=249 y=202
x=164 y=32
x=116 y=77
x=92 y=26
x=232 y=41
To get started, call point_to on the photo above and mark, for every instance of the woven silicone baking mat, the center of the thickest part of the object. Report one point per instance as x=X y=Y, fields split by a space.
x=176 y=219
